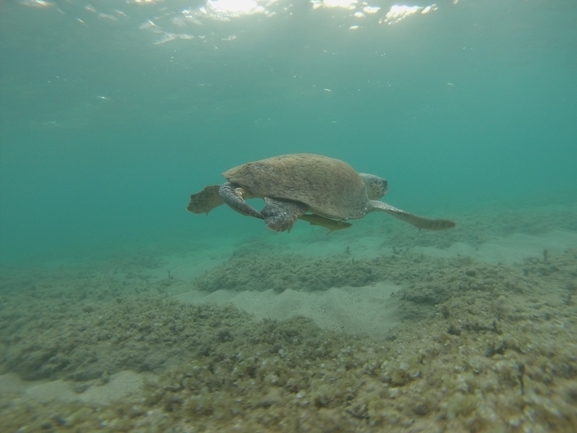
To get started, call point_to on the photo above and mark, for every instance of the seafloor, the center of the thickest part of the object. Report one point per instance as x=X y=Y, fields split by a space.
x=376 y=328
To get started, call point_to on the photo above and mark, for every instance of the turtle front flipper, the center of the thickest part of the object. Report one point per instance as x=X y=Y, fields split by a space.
x=280 y=215
x=205 y=200
x=417 y=221
x=233 y=195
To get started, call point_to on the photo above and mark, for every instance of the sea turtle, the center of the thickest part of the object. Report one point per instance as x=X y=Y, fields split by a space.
x=318 y=189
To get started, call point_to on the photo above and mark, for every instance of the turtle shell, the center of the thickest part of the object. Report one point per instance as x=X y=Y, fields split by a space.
x=330 y=187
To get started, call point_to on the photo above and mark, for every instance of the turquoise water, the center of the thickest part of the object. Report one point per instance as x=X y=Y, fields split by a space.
x=113 y=113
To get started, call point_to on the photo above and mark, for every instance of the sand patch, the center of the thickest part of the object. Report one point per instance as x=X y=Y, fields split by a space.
x=121 y=386
x=354 y=310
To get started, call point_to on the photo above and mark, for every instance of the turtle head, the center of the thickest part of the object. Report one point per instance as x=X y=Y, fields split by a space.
x=376 y=186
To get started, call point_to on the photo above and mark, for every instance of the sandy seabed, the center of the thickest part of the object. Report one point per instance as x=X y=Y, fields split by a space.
x=375 y=328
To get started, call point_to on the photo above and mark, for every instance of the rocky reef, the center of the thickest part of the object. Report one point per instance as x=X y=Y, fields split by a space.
x=482 y=347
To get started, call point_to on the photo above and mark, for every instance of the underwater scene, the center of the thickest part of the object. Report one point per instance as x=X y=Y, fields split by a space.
x=282 y=216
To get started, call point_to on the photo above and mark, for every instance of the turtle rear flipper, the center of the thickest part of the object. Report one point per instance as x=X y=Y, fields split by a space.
x=205 y=200
x=417 y=221
x=280 y=215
